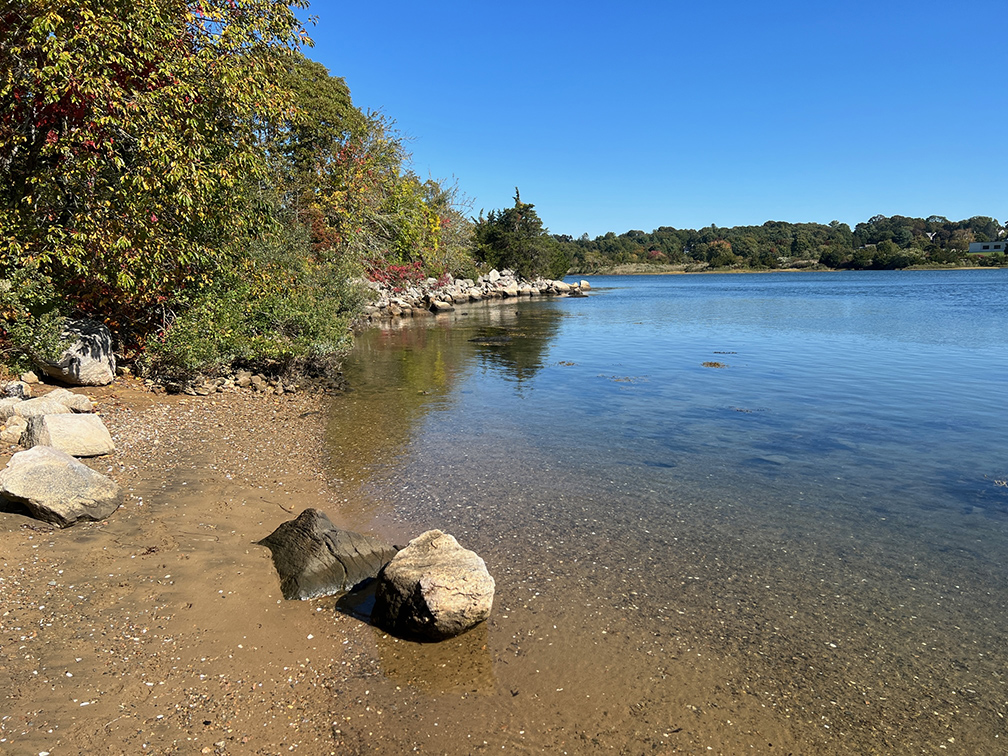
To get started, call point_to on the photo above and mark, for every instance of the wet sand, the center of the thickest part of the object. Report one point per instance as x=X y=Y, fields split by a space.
x=162 y=630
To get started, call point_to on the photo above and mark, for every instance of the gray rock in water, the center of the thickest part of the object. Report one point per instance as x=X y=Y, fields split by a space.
x=57 y=488
x=77 y=435
x=439 y=306
x=433 y=589
x=315 y=558
x=89 y=360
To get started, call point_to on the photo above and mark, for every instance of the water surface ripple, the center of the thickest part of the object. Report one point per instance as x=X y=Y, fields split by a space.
x=752 y=506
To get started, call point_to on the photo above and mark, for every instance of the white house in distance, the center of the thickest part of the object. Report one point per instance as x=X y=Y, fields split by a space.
x=998 y=246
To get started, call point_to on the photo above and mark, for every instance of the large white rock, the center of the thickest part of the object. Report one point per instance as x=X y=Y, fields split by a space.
x=433 y=589
x=57 y=488
x=77 y=435
x=42 y=405
x=89 y=360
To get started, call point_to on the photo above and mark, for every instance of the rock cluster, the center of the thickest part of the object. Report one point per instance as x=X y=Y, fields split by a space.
x=442 y=295
x=61 y=419
x=46 y=479
x=244 y=380
x=431 y=590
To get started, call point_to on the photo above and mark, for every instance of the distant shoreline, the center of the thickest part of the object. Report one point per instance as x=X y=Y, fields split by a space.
x=637 y=269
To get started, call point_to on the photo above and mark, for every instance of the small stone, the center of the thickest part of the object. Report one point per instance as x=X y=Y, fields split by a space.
x=17 y=390
x=440 y=306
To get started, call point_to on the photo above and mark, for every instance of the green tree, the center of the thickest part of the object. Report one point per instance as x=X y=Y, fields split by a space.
x=131 y=141
x=515 y=238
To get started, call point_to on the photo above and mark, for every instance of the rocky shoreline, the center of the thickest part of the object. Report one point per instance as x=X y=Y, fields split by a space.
x=433 y=295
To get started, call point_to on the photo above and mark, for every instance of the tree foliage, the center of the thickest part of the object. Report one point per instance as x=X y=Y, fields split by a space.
x=130 y=137
x=515 y=238
x=879 y=243
x=178 y=168
x=349 y=184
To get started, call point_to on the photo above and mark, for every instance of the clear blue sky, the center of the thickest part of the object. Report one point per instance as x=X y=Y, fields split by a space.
x=617 y=116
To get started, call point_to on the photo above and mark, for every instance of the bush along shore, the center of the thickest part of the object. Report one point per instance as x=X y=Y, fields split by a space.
x=386 y=301
x=390 y=300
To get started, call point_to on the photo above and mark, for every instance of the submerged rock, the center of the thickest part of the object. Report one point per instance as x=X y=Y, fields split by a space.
x=433 y=589
x=57 y=488
x=315 y=558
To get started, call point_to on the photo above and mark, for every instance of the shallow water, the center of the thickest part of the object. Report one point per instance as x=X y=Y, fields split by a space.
x=781 y=494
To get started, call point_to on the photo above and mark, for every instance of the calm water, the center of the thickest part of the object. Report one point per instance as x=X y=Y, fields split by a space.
x=801 y=474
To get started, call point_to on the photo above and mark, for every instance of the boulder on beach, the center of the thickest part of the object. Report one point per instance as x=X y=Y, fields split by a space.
x=433 y=589
x=88 y=360
x=70 y=400
x=41 y=405
x=77 y=435
x=17 y=390
x=315 y=558
x=57 y=488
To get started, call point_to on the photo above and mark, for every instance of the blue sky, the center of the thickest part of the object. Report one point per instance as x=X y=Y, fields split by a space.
x=611 y=117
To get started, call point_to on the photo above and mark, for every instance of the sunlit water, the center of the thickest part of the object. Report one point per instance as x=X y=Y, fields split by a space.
x=804 y=474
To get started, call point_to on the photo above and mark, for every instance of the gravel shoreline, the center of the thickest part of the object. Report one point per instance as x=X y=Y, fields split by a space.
x=153 y=631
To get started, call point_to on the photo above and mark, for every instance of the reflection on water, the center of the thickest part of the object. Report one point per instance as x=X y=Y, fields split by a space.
x=821 y=526
x=516 y=343
x=398 y=375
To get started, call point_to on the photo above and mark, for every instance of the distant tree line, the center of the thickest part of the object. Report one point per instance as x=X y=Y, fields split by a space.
x=881 y=243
